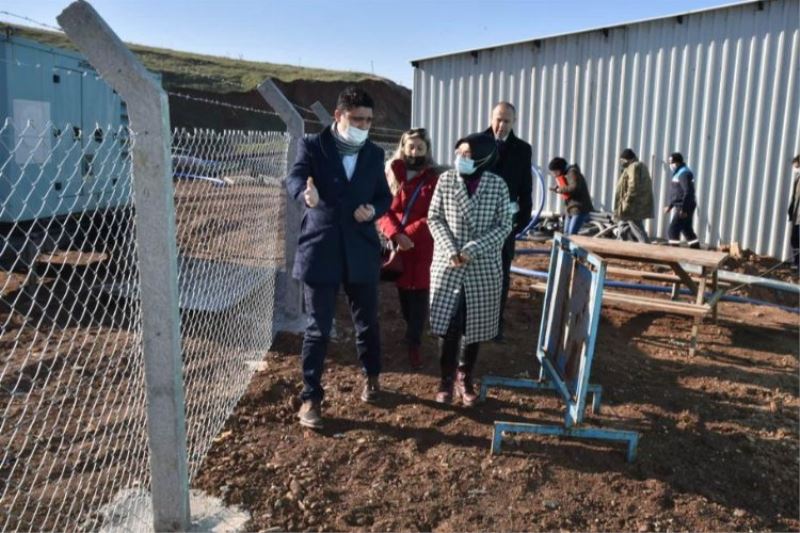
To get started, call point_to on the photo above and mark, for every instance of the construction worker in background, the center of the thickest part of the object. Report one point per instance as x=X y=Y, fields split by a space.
x=682 y=203
x=633 y=199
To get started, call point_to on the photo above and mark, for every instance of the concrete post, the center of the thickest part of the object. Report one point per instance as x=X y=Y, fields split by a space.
x=322 y=113
x=289 y=313
x=157 y=257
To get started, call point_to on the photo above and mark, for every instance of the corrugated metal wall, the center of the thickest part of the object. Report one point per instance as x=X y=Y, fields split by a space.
x=720 y=86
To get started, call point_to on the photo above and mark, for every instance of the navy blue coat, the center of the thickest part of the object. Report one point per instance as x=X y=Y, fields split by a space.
x=330 y=237
x=681 y=194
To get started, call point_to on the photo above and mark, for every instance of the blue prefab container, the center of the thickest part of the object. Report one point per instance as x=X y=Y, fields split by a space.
x=72 y=119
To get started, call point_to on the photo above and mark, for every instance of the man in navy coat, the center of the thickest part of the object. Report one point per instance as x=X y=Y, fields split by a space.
x=339 y=178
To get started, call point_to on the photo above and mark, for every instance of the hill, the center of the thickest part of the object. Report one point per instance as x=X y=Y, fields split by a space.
x=233 y=81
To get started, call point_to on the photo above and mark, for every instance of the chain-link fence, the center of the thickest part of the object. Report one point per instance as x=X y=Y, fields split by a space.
x=72 y=431
x=73 y=443
x=230 y=201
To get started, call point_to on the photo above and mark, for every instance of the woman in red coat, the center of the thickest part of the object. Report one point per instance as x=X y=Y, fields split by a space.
x=413 y=175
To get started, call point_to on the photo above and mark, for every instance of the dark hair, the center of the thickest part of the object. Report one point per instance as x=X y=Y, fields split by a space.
x=558 y=163
x=676 y=157
x=352 y=97
x=796 y=160
x=628 y=154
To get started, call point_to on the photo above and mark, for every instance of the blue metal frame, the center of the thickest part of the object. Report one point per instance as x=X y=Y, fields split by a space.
x=568 y=330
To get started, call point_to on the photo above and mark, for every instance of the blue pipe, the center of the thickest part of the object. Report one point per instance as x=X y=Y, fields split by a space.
x=657 y=288
x=532 y=251
x=535 y=219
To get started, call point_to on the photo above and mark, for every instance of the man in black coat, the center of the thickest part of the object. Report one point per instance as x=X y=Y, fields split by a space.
x=338 y=177
x=682 y=201
x=514 y=166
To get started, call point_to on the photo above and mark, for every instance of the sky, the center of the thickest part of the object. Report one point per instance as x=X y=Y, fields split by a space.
x=377 y=36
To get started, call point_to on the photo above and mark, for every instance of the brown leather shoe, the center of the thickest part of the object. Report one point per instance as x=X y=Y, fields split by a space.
x=414 y=357
x=310 y=414
x=464 y=389
x=445 y=392
x=372 y=389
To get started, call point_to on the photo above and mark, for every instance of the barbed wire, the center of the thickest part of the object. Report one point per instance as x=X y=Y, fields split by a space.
x=28 y=19
x=221 y=103
x=385 y=131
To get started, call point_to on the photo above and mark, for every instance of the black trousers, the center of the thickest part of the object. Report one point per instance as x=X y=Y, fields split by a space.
x=678 y=226
x=414 y=306
x=321 y=306
x=509 y=248
x=795 y=240
x=453 y=353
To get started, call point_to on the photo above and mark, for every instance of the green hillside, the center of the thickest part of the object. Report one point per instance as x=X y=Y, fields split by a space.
x=204 y=72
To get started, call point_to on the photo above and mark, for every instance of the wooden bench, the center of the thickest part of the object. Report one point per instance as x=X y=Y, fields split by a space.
x=673 y=257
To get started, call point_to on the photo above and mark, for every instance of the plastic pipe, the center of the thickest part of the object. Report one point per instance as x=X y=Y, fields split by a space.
x=535 y=219
x=727 y=275
x=532 y=251
x=657 y=288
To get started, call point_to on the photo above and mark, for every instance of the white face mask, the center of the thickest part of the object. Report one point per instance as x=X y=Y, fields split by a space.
x=464 y=165
x=796 y=172
x=354 y=135
x=673 y=166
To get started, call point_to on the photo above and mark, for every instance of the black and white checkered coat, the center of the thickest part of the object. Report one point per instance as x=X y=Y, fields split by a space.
x=476 y=226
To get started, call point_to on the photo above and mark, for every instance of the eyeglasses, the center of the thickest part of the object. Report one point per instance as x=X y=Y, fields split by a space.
x=422 y=132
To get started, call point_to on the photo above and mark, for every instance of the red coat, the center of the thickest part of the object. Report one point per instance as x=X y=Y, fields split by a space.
x=416 y=261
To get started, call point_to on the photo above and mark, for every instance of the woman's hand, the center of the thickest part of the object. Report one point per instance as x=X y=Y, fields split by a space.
x=460 y=259
x=404 y=242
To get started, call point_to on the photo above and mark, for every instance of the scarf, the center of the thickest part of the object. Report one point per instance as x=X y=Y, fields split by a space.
x=342 y=145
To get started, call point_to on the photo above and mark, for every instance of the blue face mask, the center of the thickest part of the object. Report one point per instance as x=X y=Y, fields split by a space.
x=464 y=165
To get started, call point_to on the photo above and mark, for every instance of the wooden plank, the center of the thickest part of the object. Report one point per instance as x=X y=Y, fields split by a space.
x=685 y=278
x=715 y=297
x=577 y=323
x=636 y=251
x=701 y=295
x=678 y=308
x=641 y=274
x=656 y=304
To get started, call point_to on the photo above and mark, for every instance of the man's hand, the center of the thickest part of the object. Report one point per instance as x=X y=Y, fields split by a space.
x=683 y=214
x=404 y=242
x=364 y=213
x=667 y=209
x=311 y=195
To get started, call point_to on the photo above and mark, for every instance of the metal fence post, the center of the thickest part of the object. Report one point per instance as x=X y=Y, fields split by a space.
x=290 y=312
x=157 y=257
x=322 y=113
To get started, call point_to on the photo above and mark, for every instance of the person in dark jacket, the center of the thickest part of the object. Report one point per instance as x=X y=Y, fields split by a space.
x=682 y=202
x=794 y=212
x=338 y=176
x=406 y=225
x=514 y=166
x=571 y=185
x=633 y=197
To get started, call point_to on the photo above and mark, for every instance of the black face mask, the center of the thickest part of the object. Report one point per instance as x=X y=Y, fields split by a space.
x=415 y=163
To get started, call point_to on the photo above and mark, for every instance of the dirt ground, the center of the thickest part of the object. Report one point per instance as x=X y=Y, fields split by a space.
x=718 y=447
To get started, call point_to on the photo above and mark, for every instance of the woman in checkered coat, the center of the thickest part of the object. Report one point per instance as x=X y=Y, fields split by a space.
x=470 y=216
